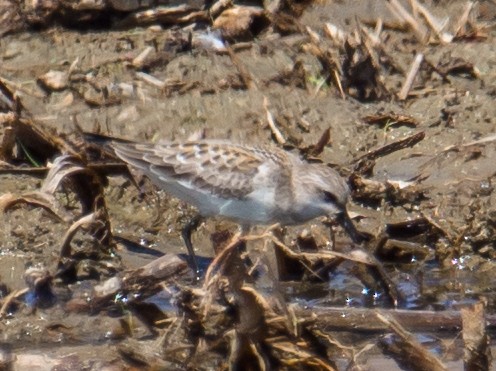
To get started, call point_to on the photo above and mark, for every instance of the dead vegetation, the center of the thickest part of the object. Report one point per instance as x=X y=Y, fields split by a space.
x=227 y=320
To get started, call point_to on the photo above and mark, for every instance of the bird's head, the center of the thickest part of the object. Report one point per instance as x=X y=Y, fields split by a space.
x=332 y=192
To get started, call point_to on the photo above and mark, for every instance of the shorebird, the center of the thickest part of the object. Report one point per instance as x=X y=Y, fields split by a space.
x=249 y=184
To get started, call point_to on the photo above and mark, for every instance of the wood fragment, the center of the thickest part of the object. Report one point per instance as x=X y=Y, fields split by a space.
x=173 y=14
x=386 y=120
x=458 y=66
x=161 y=269
x=364 y=320
x=7 y=143
x=409 y=141
x=477 y=342
x=149 y=79
x=406 y=350
x=139 y=61
x=324 y=140
x=412 y=73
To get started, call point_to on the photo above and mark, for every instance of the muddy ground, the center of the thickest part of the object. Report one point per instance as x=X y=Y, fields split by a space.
x=449 y=263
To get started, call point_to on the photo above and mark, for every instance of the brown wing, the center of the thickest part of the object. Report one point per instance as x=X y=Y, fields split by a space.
x=219 y=168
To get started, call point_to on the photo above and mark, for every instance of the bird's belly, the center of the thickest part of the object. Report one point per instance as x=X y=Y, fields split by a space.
x=259 y=208
x=247 y=212
x=252 y=213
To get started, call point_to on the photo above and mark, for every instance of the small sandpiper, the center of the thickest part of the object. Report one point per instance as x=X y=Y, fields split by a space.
x=249 y=184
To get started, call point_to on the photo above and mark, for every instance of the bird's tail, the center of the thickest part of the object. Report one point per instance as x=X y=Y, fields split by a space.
x=101 y=139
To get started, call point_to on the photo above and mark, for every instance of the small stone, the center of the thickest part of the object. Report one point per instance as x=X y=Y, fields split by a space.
x=54 y=80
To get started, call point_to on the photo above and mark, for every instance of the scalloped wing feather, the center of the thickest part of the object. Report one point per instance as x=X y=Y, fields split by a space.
x=222 y=169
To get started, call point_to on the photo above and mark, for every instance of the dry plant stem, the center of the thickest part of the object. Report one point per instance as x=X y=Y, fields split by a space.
x=314 y=36
x=487 y=139
x=434 y=23
x=218 y=7
x=410 y=78
x=335 y=33
x=7 y=145
x=174 y=14
x=409 y=141
x=457 y=147
x=65 y=250
x=337 y=81
x=324 y=140
x=380 y=47
x=462 y=22
x=301 y=257
x=151 y=80
x=219 y=260
x=358 y=256
x=403 y=15
x=14 y=86
x=406 y=351
x=270 y=120
x=9 y=299
x=364 y=320
x=106 y=169
x=8 y=121
x=378 y=28
x=10 y=200
x=138 y=62
x=477 y=343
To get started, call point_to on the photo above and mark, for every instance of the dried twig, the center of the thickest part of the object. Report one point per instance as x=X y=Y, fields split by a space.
x=477 y=350
x=270 y=120
x=10 y=298
x=462 y=21
x=149 y=79
x=364 y=320
x=407 y=85
x=335 y=33
x=403 y=15
x=65 y=250
x=35 y=199
x=406 y=350
x=435 y=24
x=219 y=6
x=409 y=141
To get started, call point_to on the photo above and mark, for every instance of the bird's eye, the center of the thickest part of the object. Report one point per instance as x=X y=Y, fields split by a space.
x=330 y=198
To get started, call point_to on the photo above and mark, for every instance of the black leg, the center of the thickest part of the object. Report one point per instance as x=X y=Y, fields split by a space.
x=188 y=229
x=355 y=234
